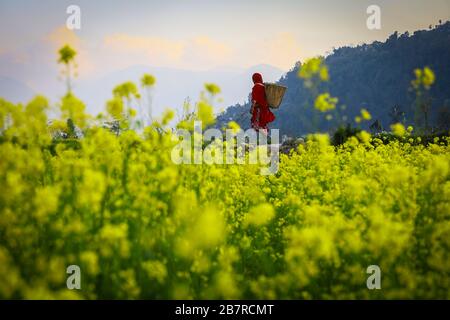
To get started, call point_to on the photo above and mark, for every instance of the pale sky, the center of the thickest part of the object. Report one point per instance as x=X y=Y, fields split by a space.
x=199 y=35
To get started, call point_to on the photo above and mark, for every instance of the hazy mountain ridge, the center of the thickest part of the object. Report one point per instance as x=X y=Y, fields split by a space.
x=172 y=87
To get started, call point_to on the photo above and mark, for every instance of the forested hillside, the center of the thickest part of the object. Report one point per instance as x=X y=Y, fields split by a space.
x=374 y=76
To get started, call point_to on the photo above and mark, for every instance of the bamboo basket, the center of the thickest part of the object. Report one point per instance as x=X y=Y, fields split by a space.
x=274 y=94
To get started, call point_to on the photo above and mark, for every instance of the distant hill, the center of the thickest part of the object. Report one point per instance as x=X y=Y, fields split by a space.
x=374 y=76
x=173 y=86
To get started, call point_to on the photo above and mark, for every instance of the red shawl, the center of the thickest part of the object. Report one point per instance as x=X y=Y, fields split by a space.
x=261 y=115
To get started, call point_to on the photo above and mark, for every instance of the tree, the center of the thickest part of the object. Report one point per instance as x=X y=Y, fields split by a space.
x=425 y=78
x=396 y=114
x=443 y=122
x=376 y=126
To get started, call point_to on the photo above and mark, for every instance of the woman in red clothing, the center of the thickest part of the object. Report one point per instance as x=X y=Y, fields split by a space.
x=261 y=114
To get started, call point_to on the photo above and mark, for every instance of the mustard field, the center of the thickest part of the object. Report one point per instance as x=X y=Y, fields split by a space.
x=140 y=226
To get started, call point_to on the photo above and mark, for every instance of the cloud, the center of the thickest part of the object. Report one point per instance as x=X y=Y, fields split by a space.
x=61 y=36
x=36 y=63
x=281 y=50
x=199 y=52
x=204 y=52
x=131 y=49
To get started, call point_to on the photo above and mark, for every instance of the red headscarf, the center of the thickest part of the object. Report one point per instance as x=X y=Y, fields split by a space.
x=261 y=114
x=257 y=78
